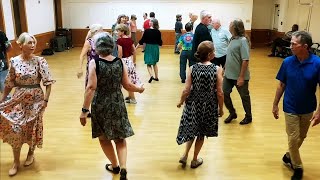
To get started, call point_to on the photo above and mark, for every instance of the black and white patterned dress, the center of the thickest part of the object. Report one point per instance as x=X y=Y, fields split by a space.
x=200 y=113
x=108 y=110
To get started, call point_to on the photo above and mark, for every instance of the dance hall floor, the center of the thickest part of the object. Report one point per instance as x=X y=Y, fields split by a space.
x=251 y=152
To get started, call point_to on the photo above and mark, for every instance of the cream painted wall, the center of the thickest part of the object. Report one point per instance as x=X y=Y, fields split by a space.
x=8 y=19
x=262 y=14
x=82 y=13
x=40 y=16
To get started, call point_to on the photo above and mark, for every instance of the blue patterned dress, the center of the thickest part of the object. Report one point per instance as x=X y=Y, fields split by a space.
x=200 y=113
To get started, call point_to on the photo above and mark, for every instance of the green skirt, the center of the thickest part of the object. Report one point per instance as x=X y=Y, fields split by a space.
x=151 y=54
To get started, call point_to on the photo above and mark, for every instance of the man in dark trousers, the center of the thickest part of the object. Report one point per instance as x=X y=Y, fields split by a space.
x=201 y=33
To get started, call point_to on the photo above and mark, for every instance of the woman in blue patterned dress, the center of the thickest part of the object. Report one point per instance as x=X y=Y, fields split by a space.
x=109 y=121
x=202 y=96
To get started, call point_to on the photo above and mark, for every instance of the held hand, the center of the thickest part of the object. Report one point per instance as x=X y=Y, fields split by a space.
x=83 y=118
x=275 y=111
x=80 y=73
x=240 y=82
x=44 y=104
x=315 y=120
x=179 y=105
x=141 y=89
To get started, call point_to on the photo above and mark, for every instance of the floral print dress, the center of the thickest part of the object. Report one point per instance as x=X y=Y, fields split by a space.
x=21 y=116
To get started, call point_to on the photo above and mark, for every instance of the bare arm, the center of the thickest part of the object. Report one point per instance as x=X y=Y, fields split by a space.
x=127 y=84
x=316 y=117
x=219 y=90
x=244 y=68
x=187 y=89
x=279 y=93
x=134 y=54
x=86 y=47
x=119 y=51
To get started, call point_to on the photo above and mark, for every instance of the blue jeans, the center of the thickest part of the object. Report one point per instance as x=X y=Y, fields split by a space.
x=184 y=56
x=177 y=42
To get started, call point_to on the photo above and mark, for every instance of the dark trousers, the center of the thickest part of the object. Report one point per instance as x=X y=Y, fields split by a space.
x=219 y=61
x=184 y=56
x=228 y=84
x=177 y=42
x=279 y=42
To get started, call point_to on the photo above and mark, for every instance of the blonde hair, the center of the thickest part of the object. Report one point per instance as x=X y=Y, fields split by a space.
x=25 y=37
x=94 y=28
x=123 y=28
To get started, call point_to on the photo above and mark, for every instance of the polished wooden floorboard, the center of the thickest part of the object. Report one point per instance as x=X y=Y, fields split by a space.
x=251 y=152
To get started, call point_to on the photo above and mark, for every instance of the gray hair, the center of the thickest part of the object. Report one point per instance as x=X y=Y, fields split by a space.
x=94 y=28
x=25 y=37
x=103 y=43
x=215 y=20
x=204 y=13
x=305 y=37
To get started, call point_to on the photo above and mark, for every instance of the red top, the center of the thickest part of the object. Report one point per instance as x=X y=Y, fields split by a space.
x=126 y=44
x=146 y=24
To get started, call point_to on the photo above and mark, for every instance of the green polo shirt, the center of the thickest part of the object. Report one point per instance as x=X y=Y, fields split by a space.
x=238 y=50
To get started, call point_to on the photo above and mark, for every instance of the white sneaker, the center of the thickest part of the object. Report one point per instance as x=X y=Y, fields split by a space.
x=131 y=101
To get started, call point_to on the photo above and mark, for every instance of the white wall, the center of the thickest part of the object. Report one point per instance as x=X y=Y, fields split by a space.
x=40 y=16
x=8 y=19
x=262 y=14
x=82 y=13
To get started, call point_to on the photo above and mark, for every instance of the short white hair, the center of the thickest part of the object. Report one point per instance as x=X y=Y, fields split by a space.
x=216 y=20
x=95 y=28
x=204 y=13
x=25 y=37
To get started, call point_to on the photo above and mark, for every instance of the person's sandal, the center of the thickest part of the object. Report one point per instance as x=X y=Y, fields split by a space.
x=183 y=161
x=114 y=170
x=29 y=161
x=197 y=163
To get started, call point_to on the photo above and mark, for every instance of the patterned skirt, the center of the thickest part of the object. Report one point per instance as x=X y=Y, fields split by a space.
x=132 y=74
x=151 y=54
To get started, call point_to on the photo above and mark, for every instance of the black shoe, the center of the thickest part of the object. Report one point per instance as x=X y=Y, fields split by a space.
x=271 y=55
x=123 y=174
x=183 y=81
x=230 y=118
x=297 y=175
x=114 y=170
x=150 y=80
x=177 y=52
x=287 y=161
x=127 y=98
x=142 y=51
x=156 y=79
x=89 y=115
x=246 y=120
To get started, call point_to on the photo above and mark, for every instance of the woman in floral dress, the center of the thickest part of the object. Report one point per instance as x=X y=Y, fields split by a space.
x=21 y=116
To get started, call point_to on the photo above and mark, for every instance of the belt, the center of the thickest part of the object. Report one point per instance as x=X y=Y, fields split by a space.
x=29 y=86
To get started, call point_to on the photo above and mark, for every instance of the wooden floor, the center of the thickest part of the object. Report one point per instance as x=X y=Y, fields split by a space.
x=251 y=152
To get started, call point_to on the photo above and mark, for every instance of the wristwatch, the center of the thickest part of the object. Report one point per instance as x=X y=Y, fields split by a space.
x=84 y=110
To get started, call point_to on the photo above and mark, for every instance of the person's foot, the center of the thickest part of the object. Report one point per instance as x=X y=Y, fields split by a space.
x=183 y=81
x=287 y=161
x=131 y=101
x=127 y=98
x=196 y=163
x=123 y=174
x=156 y=79
x=114 y=170
x=183 y=161
x=297 y=174
x=14 y=170
x=177 y=52
x=29 y=160
x=89 y=115
x=150 y=80
x=271 y=55
x=230 y=118
x=246 y=120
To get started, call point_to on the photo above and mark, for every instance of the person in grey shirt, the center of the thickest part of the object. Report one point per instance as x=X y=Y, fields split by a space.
x=221 y=38
x=237 y=71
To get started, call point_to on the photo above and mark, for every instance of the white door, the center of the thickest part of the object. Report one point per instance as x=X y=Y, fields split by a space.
x=276 y=16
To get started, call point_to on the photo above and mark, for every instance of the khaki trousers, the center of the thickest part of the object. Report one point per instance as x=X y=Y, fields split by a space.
x=297 y=126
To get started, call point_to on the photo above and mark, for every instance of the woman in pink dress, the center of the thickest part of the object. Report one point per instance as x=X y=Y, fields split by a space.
x=21 y=116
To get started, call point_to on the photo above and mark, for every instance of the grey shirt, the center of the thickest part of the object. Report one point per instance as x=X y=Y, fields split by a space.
x=238 y=50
